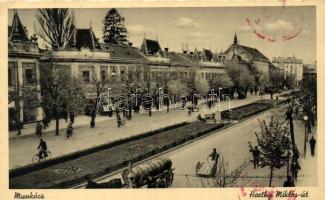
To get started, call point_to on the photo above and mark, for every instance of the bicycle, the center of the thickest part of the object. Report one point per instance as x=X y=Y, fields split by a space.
x=36 y=158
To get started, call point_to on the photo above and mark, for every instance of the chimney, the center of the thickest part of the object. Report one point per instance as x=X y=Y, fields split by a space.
x=130 y=44
x=166 y=49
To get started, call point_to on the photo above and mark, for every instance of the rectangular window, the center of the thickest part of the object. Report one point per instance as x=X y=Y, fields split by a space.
x=11 y=74
x=113 y=69
x=85 y=76
x=29 y=70
x=103 y=75
x=29 y=76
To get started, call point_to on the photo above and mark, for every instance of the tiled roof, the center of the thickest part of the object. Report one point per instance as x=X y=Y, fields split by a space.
x=122 y=52
x=254 y=54
x=181 y=59
x=83 y=38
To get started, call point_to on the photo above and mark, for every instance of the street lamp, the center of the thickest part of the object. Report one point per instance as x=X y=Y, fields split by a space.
x=219 y=98
x=305 y=139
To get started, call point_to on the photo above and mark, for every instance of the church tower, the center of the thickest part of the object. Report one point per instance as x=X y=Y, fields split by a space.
x=235 y=39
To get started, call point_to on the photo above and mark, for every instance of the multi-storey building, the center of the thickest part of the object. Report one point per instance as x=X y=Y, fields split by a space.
x=23 y=74
x=290 y=67
x=88 y=60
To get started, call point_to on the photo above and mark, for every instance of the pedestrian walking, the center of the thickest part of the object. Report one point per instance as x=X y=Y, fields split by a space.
x=214 y=155
x=39 y=129
x=215 y=158
x=256 y=155
x=295 y=167
x=289 y=182
x=312 y=143
x=69 y=130
x=119 y=121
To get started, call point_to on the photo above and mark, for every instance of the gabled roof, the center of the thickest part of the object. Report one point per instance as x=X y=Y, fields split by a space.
x=151 y=47
x=208 y=54
x=254 y=54
x=17 y=31
x=83 y=38
x=123 y=52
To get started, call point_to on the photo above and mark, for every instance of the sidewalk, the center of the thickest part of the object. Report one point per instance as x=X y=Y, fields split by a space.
x=307 y=176
x=84 y=121
x=21 y=150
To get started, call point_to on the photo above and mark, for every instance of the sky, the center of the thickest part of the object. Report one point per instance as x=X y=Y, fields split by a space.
x=210 y=28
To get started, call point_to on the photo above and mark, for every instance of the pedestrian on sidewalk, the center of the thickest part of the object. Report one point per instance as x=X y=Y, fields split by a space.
x=119 y=121
x=295 y=167
x=289 y=182
x=45 y=122
x=39 y=129
x=256 y=155
x=69 y=130
x=312 y=143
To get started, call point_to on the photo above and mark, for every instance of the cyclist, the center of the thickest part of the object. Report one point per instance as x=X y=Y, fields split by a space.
x=42 y=147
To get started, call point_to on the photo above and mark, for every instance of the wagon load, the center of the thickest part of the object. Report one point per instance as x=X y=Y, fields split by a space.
x=157 y=173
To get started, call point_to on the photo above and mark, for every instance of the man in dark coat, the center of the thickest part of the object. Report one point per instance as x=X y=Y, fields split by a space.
x=289 y=182
x=39 y=128
x=214 y=157
x=295 y=167
x=42 y=147
x=256 y=156
x=312 y=143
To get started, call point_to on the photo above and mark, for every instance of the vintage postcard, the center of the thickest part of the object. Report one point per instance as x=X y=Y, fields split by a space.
x=162 y=100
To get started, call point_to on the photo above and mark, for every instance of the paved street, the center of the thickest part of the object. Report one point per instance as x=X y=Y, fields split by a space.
x=233 y=144
x=23 y=149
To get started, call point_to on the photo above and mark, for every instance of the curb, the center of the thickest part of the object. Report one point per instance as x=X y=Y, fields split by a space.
x=81 y=185
x=32 y=167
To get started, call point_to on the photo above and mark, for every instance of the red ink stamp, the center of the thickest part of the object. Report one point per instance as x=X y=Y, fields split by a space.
x=274 y=25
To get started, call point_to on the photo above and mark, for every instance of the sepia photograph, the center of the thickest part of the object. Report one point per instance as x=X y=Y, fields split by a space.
x=163 y=97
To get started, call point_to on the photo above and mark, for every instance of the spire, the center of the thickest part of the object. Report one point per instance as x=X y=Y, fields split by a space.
x=235 y=39
x=18 y=31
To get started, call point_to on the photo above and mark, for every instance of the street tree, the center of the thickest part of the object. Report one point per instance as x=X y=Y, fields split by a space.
x=241 y=77
x=178 y=89
x=131 y=84
x=60 y=93
x=114 y=30
x=276 y=79
x=202 y=85
x=55 y=25
x=221 y=81
x=274 y=143
x=101 y=85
